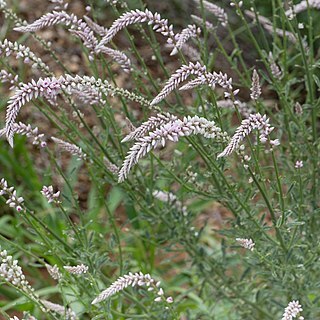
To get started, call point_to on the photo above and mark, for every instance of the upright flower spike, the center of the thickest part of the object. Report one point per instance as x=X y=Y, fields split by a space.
x=268 y=26
x=172 y=130
x=217 y=11
x=254 y=121
x=192 y=31
x=197 y=70
x=79 y=269
x=303 y=6
x=151 y=123
x=275 y=69
x=132 y=280
x=51 y=87
x=80 y=29
x=71 y=148
x=54 y=272
x=138 y=16
x=67 y=313
x=255 y=86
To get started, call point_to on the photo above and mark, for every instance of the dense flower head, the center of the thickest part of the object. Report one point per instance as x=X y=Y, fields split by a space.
x=170 y=131
x=292 y=311
x=50 y=194
x=13 y=200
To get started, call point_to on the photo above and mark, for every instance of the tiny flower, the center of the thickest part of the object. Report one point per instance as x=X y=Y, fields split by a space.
x=246 y=243
x=50 y=194
x=275 y=142
x=169 y=300
x=300 y=26
x=299 y=164
x=157 y=299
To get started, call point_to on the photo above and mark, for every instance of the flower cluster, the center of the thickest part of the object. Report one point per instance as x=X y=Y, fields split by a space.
x=292 y=311
x=275 y=69
x=138 y=16
x=217 y=11
x=171 y=199
x=12 y=273
x=6 y=76
x=68 y=313
x=246 y=243
x=9 y=48
x=254 y=121
x=255 y=86
x=181 y=38
x=172 y=131
x=151 y=123
x=13 y=200
x=50 y=194
x=51 y=87
x=203 y=76
x=302 y=6
x=79 y=28
x=268 y=26
x=110 y=166
x=79 y=269
x=71 y=148
x=53 y=271
x=133 y=279
x=298 y=164
x=29 y=132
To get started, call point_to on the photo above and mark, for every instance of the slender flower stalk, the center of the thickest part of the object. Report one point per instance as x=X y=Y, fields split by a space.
x=292 y=311
x=255 y=121
x=71 y=148
x=132 y=280
x=79 y=269
x=195 y=69
x=255 y=87
x=172 y=131
x=246 y=243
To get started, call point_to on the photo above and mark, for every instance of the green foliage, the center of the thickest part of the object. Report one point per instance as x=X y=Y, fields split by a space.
x=189 y=241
